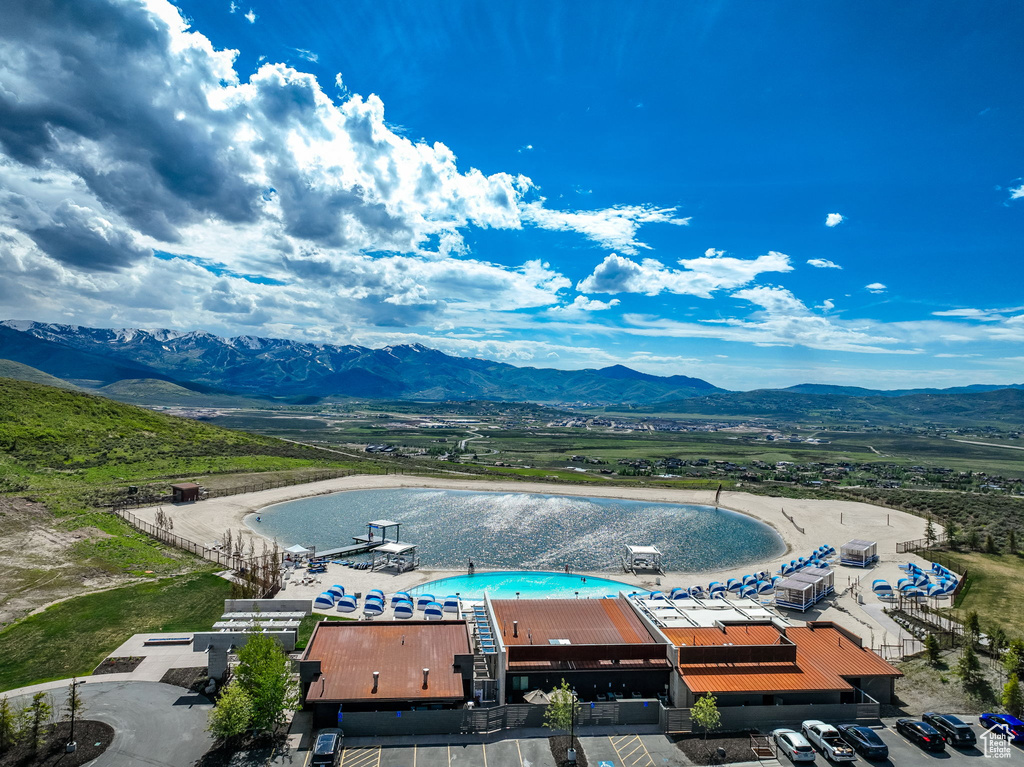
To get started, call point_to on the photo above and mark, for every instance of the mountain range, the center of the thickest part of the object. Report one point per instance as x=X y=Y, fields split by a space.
x=170 y=367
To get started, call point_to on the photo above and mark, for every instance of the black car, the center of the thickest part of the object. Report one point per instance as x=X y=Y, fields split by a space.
x=955 y=731
x=327 y=747
x=921 y=733
x=864 y=740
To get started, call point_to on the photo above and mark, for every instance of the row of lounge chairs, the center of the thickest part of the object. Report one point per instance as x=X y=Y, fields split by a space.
x=747 y=587
x=822 y=557
x=375 y=603
x=937 y=582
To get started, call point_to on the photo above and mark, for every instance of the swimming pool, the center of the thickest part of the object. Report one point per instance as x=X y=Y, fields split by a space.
x=508 y=584
x=526 y=531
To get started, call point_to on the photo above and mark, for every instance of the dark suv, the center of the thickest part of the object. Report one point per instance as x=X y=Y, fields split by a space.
x=327 y=747
x=955 y=731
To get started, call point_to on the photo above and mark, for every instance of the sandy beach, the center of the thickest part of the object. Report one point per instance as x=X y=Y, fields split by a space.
x=822 y=521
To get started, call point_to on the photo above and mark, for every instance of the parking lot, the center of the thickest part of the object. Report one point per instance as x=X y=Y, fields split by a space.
x=638 y=751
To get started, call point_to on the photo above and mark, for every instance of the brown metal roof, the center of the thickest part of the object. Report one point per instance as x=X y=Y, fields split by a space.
x=581 y=621
x=731 y=634
x=349 y=653
x=835 y=650
x=825 y=657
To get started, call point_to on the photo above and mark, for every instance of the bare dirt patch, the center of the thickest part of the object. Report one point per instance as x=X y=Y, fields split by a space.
x=92 y=738
x=722 y=748
x=924 y=688
x=122 y=665
x=36 y=564
x=193 y=679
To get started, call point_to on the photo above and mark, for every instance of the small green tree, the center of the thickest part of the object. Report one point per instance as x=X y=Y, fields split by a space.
x=560 y=711
x=1013 y=697
x=929 y=533
x=264 y=673
x=1013 y=658
x=1011 y=541
x=74 y=706
x=8 y=725
x=39 y=712
x=990 y=545
x=704 y=713
x=997 y=640
x=972 y=628
x=952 y=534
x=932 y=650
x=972 y=540
x=233 y=713
x=968 y=668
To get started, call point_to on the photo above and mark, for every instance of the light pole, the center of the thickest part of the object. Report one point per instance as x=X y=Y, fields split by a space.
x=74 y=705
x=570 y=755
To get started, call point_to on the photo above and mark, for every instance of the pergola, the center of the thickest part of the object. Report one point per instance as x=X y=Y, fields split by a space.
x=377 y=531
x=394 y=555
x=795 y=594
x=642 y=558
x=858 y=553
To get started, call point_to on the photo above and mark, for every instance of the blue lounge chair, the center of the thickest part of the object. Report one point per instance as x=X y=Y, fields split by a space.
x=347 y=604
x=324 y=602
x=423 y=600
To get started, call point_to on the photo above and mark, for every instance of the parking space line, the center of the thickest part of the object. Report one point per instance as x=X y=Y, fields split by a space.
x=484 y=746
x=520 y=752
x=632 y=751
x=361 y=756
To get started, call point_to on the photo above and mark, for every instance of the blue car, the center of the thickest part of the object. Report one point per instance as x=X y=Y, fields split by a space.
x=1009 y=725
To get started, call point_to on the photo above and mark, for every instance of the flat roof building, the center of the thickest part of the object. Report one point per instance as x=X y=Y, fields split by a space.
x=386 y=666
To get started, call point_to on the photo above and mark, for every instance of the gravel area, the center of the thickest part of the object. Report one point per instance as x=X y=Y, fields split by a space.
x=121 y=665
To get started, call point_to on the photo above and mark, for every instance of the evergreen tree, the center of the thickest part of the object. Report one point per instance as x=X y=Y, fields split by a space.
x=972 y=540
x=932 y=650
x=8 y=725
x=990 y=545
x=929 y=533
x=997 y=640
x=1013 y=698
x=39 y=712
x=968 y=668
x=1013 y=658
x=1011 y=541
x=952 y=534
x=972 y=628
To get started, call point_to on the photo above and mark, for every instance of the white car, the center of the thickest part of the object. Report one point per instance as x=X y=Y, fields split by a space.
x=794 y=745
x=827 y=738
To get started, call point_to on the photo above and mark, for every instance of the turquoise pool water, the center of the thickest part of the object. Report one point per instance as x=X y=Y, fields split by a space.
x=526 y=531
x=508 y=584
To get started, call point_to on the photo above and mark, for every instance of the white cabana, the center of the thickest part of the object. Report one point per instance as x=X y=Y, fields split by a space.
x=641 y=559
x=297 y=550
x=858 y=553
x=397 y=556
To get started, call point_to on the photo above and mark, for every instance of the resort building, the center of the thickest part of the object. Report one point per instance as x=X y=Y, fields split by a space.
x=359 y=666
x=599 y=646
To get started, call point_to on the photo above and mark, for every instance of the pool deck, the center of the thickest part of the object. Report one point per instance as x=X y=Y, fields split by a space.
x=823 y=521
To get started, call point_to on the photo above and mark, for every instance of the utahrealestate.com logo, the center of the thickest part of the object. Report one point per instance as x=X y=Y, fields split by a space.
x=997 y=744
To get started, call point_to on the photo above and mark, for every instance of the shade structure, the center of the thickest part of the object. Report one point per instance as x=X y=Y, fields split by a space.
x=404 y=610
x=399 y=598
x=373 y=592
x=749 y=579
x=678 y=593
x=858 y=553
x=423 y=600
x=657 y=595
x=373 y=607
x=338 y=591
x=763 y=587
x=347 y=604
x=696 y=591
x=734 y=584
x=297 y=550
x=434 y=612
x=748 y=591
x=324 y=601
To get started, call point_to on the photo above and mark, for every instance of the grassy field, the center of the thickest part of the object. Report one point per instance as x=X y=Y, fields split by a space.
x=71 y=638
x=995 y=587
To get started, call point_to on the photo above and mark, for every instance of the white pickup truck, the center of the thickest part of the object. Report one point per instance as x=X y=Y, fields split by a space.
x=827 y=738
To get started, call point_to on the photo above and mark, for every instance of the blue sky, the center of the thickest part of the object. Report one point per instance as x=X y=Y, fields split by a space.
x=758 y=194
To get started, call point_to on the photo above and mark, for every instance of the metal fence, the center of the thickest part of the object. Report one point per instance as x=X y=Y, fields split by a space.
x=232 y=560
x=920 y=544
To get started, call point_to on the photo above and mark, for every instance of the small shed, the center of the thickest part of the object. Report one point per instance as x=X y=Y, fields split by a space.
x=642 y=559
x=185 y=492
x=858 y=553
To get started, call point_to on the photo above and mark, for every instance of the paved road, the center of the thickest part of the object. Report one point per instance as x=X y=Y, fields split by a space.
x=154 y=724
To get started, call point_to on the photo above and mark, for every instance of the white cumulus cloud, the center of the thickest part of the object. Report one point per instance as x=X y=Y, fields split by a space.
x=698 y=276
x=611 y=227
x=875 y=287
x=582 y=305
x=823 y=263
x=834 y=219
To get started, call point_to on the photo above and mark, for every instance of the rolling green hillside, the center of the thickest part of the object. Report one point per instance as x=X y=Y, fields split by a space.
x=152 y=391
x=11 y=369
x=67 y=445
